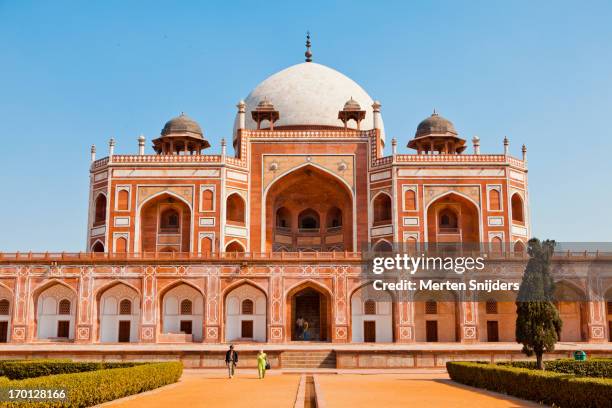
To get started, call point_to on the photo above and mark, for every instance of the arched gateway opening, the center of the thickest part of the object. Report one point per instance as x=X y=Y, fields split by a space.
x=309 y=209
x=310 y=308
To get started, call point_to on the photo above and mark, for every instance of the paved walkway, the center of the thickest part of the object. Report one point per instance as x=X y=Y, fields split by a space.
x=408 y=390
x=419 y=388
x=212 y=389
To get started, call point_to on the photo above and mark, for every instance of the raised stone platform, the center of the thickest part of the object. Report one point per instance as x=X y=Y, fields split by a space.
x=348 y=356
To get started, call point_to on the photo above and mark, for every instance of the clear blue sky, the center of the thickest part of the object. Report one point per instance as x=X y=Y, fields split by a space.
x=75 y=73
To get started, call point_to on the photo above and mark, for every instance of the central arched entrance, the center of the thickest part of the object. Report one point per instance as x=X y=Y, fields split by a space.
x=309 y=209
x=309 y=304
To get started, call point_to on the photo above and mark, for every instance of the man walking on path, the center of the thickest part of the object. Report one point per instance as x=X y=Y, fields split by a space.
x=231 y=359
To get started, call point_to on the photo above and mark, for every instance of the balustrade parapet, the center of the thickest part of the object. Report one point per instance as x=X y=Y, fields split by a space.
x=102 y=257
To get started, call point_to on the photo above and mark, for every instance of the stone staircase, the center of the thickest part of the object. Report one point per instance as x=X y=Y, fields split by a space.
x=308 y=359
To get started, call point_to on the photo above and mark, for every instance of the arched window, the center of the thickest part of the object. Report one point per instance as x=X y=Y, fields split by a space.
x=123 y=200
x=383 y=246
x=283 y=218
x=206 y=245
x=207 y=200
x=334 y=217
x=234 y=246
x=235 y=209
x=410 y=200
x=100 y=210
x=517 y=208
x=411 y=245
x=169 y=221
x=382 y=209
x=247 y=307
x=98 y=247
x=496 y=244
x=64 y=307
x=186 y=307
x=125 y=307
x=494 y=200
x=369 y=307
x=431 y=307
x=309 y=220
x=448 y=221
x=491 y=306
x=121 y=245
x=519 y=247
x=4 y=307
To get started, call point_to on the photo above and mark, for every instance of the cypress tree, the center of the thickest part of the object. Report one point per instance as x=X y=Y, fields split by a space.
x=538 y=324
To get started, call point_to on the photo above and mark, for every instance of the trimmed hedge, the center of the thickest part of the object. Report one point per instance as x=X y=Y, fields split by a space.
x=89 y=388
x=4 y=363
x=541 y=386
x=596 y=367
x=19 y=370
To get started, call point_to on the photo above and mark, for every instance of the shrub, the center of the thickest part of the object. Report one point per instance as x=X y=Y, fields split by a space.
x=5 y=363
x=89 y=388
x=19 y=370
x=597 y=367
x=541 y=386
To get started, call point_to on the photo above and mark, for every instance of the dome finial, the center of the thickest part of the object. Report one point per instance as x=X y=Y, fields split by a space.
x=434 y=113
x=308 y=53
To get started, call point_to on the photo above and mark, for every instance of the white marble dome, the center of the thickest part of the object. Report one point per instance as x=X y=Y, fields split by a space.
x=309 y=94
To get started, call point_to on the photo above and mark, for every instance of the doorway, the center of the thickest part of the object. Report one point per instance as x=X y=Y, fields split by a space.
x=3 y=332
x=492 y=330
x=311 y=306
x=124 y=331
x=431 y=330
x=63 y=329
x=186 y=327
x=246 y=329
x=369 y=331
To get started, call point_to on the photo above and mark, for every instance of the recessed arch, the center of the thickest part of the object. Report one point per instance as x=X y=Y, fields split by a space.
x=372 y=327
x=267 y=220
x=51 y=319
x=114 y=323
x=154 y=229
x=382 y=208
x=312 y=302
x=97 y=246
x=235 y=209
x=382 y=245
x=99 y=213
x=245 y=326
x=472 y=223
x=181 y=311
x=138 y=221
x=234 y=246
x=518 y=208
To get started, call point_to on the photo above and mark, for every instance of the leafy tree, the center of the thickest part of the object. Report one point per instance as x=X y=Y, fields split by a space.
x=538 y=324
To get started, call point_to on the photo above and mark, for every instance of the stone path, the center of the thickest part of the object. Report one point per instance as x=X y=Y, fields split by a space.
x=213 y=389
x=420 y=388
x=408 y=390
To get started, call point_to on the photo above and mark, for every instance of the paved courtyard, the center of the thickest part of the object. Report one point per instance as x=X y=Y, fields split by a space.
x=417 y=388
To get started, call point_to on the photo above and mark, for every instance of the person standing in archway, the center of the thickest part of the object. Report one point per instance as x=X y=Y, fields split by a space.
x=306 y=335
x=299 y=327
x=231 y=359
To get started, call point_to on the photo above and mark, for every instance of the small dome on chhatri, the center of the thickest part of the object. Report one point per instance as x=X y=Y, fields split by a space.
x=435 y=124
x=352 y=105
x=265 y=104
x=182 y=124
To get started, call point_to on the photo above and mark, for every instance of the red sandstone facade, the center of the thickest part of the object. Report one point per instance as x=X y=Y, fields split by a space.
x=186 y=247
